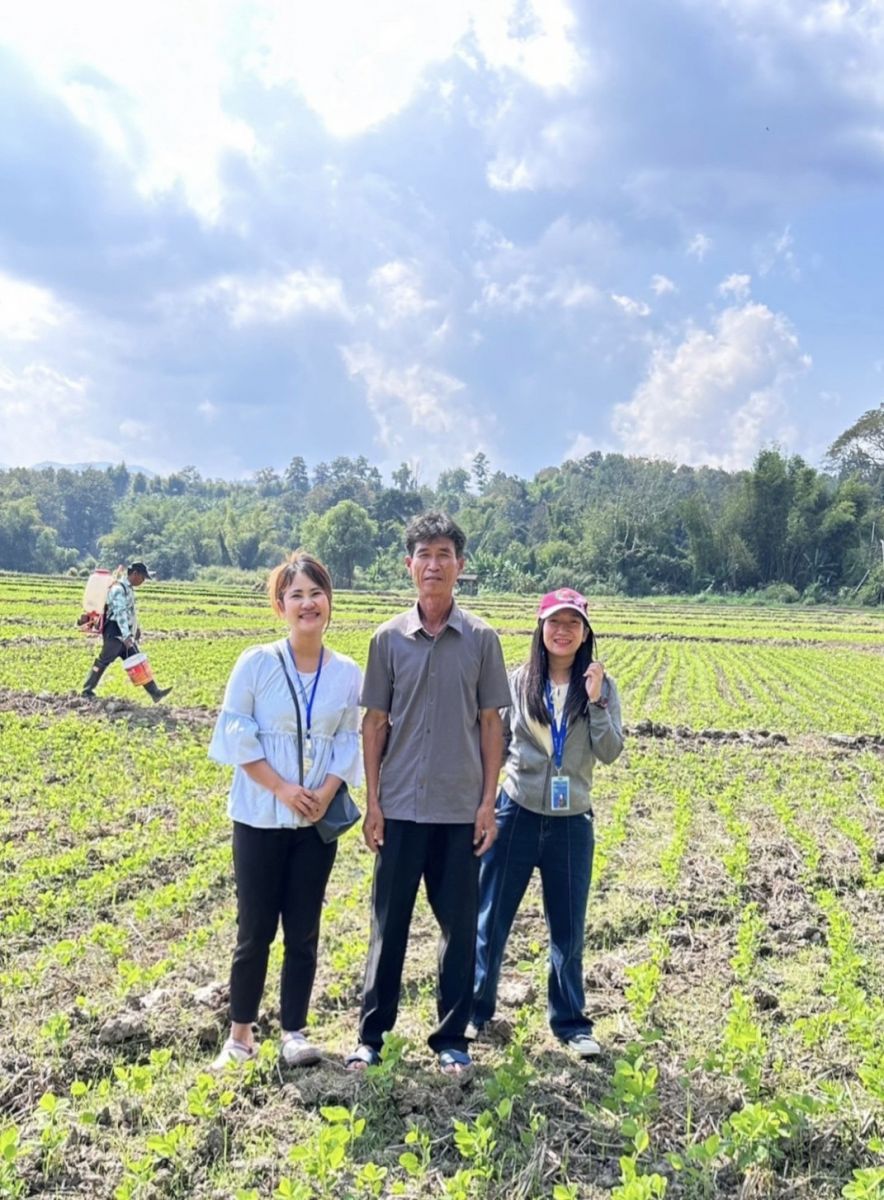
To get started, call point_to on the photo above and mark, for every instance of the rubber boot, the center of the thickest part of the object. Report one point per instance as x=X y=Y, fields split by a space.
x=156 y=693
x=89 y=686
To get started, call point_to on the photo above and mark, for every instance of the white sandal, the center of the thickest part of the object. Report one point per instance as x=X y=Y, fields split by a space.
x=233 y=1053
x=296 y=1051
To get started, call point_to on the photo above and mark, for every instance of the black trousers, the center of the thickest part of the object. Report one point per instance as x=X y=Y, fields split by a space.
x=441 y=855
x=279 y=873
x=112 y=648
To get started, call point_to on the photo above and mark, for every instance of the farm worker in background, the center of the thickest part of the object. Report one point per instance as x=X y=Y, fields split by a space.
x=120 y=631
x=280 y=863
x=565 y=717
x=432 y=743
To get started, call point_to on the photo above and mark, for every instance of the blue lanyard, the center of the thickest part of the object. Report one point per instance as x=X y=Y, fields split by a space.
x=559 y=732
x=308 y=703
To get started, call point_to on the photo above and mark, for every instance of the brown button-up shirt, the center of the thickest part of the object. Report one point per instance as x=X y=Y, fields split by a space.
x=433 y=689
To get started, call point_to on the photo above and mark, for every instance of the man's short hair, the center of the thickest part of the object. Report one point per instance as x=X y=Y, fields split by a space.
x=431 y=527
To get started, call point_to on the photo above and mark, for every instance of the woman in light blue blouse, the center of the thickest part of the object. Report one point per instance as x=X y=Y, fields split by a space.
x=280 y=863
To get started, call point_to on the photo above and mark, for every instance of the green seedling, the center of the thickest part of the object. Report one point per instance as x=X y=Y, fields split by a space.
x=416 y=1161
x=634 y=1186
x=324 y=1156
x=867 y=1184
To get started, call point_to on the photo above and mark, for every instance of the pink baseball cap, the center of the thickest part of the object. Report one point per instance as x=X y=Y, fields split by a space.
x=561 y=598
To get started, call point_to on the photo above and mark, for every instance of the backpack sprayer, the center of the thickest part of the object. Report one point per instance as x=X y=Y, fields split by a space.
x=91 y=619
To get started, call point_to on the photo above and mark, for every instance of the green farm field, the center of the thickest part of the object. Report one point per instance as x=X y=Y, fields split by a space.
x=734 y=963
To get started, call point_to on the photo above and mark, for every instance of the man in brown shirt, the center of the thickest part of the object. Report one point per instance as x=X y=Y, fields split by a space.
x=432 y=742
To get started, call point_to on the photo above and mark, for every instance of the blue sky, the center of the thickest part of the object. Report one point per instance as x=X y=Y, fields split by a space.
x=235 y=232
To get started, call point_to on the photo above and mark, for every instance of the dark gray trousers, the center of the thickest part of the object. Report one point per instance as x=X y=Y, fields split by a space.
x=441 y=855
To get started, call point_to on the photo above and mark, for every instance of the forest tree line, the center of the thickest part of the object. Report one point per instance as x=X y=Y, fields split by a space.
x=605 y=522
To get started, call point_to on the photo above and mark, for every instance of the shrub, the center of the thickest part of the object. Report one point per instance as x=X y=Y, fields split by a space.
x=815 y=593
x=781 y=593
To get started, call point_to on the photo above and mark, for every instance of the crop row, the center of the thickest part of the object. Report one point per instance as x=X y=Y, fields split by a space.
x=169 y=607
x=683 y=952
x=69 y=782
x=754 y=1029
x=790 y=690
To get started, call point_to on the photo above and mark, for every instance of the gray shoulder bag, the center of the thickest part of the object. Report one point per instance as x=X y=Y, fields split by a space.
x=343 y=813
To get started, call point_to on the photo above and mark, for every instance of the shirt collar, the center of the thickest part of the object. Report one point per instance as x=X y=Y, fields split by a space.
x=413 y=620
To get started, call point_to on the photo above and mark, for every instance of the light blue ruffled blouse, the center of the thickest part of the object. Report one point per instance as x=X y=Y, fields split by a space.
x=258 y=720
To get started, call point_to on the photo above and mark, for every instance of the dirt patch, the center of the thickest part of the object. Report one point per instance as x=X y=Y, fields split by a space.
x=49 y=704
x=761 y=738
x=171 y=717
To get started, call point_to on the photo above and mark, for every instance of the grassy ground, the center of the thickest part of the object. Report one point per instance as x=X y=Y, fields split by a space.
x=733 y=962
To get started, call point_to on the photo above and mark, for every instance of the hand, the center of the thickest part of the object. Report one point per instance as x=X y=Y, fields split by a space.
x=299 y=800
x=129 y=643
x=323 y=796
x=594 y=677
x=485 y=829
x=373 y=828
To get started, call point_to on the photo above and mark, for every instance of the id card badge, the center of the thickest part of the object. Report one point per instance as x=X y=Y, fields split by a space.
x=308 y=754
x=560 y=793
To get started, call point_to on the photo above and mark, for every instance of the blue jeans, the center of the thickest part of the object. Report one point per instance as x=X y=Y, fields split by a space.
x=562 y=848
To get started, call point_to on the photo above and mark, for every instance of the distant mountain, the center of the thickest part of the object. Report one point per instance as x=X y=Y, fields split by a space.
x=132 y=468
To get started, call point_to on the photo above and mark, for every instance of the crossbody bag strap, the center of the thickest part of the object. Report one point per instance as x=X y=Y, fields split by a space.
x=298 y=715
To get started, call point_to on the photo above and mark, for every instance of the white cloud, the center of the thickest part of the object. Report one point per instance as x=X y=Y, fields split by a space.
x=536 y=40
x=26 y=311
x=553 y=157
x=160 y=86
x=514 y=296
x=135 y=431
x=268 y=301
x=441 y=333
x=736 y=286
x=320 y=50
x=163 y=104
x=207 y=410
x=512 y=173
x=778 y=252
x=843 y=38
x=569 y=292
x=529 y=291
x=149 y=81
x=549 y=273
x=632 y=308
x=661 y=285
x=719 y=395
x=47 y=415
x=699 y=246
x=399 y=289
x=417 y=409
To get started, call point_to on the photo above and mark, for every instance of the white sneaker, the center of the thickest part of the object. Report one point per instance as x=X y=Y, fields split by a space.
x=296 y=1051
x=584 y=1045
x=233 y=1053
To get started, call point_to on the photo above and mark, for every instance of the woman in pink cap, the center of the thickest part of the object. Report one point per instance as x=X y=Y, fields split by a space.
x=565 y=716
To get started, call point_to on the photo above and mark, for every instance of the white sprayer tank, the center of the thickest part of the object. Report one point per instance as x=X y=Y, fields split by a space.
x=97 y=588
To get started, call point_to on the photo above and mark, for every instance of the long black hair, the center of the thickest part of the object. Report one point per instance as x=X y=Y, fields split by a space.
x=536 y=674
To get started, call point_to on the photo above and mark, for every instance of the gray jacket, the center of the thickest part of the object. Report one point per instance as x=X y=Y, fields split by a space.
x=529 y=767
